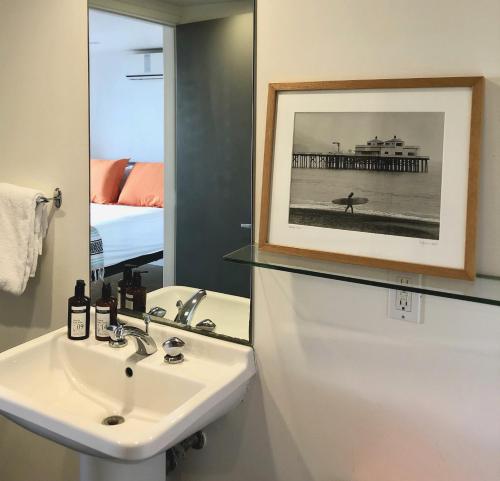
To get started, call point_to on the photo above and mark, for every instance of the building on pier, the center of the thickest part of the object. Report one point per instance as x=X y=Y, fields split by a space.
x=379 y=155
x=389 y=148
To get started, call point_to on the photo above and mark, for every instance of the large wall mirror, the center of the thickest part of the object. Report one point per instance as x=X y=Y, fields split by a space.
x=171 y=129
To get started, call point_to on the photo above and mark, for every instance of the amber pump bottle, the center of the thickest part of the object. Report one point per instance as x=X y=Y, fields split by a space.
x=124 y=284
x=79 y=313
x=136 y=295
x=105 y=313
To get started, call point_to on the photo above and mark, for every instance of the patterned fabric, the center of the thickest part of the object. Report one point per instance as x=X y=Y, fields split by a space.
x=96 y=255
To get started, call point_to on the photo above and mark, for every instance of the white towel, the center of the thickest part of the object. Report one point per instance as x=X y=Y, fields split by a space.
x=23 y=226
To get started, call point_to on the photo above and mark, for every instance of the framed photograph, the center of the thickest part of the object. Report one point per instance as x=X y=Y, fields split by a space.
x=381 y=173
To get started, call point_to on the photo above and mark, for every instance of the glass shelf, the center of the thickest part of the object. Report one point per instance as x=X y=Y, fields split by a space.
x=485 y=289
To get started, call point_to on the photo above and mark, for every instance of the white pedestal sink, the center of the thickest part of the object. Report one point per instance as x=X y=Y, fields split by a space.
x=63 y=390
x=104 y=469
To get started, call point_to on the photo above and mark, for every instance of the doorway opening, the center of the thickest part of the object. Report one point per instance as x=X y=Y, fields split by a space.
x=127 y=93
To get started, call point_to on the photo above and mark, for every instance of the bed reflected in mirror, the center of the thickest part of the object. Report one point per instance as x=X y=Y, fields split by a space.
x=171 y=166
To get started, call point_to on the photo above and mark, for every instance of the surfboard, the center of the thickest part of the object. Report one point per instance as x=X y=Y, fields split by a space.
x=351 y=201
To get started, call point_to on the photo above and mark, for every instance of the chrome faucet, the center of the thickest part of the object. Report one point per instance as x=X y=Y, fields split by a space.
x=187 y=309
x=145 y=343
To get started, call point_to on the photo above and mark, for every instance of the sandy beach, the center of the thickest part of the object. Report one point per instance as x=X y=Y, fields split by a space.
x=377 y=224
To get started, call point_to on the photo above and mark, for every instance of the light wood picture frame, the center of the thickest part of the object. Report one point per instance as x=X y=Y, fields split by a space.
x=337 y=187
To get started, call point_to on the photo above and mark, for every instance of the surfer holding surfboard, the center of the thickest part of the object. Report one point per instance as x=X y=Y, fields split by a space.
x=350 y=201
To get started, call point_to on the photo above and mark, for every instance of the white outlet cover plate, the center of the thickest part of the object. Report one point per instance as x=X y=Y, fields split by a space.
x=405 y=305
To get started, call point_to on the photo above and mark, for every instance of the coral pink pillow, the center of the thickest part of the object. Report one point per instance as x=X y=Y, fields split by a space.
x=105 y=178
x=144 y=186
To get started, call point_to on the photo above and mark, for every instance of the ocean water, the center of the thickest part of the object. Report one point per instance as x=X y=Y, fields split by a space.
x=394 y=194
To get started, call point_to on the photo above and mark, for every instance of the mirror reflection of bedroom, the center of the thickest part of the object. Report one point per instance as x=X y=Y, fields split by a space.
x=127 y=133
x=171 y=112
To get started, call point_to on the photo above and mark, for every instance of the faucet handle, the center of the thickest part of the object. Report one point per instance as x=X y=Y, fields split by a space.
x=173 y=350
x=147 y=320
x=117 y=338
x=206 y=325
x=157 y=311
x=115 y=331
x=179 y=304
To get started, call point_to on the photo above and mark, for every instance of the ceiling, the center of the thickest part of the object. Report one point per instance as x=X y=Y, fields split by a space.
x=167 y=12
x=108 y=31
x=184 y=3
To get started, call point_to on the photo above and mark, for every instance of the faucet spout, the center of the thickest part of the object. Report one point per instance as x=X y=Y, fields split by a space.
x=145 y=343
x=187 y=310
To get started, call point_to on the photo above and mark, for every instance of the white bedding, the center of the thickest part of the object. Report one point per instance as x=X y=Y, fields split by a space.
x=127 y=231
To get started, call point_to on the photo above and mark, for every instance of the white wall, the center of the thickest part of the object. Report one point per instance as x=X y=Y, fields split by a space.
x=343 y=393
x=126 y=116
x=44 y=144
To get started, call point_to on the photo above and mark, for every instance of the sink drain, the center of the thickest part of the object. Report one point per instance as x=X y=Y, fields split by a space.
x=113 y=420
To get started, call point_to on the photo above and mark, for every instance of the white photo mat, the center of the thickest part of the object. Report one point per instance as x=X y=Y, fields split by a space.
x=449 y=250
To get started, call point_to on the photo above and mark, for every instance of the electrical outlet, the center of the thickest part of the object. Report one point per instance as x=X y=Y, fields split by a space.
x=405 y=305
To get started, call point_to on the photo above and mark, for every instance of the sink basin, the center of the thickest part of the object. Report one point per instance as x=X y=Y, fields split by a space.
x=231 y=314
x=63 y=390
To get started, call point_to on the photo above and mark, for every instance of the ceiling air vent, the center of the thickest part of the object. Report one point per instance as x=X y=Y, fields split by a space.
x=147 y=64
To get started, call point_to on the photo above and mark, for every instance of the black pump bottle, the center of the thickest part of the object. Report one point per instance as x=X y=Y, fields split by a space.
x=136 y=295
x=105 y=313
x=124 y=284
x=79 y=313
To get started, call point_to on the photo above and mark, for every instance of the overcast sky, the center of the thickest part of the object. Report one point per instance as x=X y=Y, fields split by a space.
x=315 y=131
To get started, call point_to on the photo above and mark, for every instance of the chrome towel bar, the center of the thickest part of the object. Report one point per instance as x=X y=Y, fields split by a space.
x=57 y=198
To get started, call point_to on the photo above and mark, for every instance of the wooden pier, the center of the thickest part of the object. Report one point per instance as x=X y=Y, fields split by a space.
x=360 y=162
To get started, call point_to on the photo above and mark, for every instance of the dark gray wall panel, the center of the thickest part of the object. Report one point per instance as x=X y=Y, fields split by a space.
x=214 y=141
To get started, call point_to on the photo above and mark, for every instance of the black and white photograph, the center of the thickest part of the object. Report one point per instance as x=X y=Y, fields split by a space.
x=377 y=172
